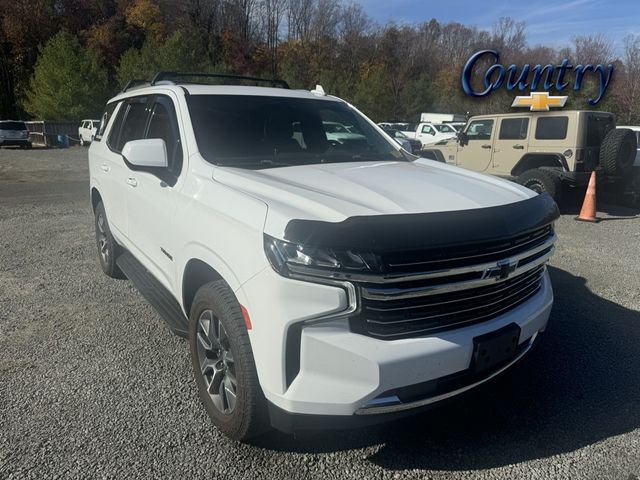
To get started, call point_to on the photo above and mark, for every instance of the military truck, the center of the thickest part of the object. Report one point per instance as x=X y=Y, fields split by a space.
x=543 y=151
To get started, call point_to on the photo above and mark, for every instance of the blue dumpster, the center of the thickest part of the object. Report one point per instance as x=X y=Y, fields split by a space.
x=63 y=140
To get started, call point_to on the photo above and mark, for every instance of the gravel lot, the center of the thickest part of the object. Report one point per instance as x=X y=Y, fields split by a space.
x=92 y=385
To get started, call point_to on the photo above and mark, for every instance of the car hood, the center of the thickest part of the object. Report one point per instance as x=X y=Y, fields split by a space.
x=335 y=191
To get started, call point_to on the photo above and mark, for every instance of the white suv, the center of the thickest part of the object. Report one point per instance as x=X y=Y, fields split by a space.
x=321 y=284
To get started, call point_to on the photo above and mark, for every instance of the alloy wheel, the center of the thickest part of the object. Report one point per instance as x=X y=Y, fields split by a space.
x=217 y=364
x=103 y=243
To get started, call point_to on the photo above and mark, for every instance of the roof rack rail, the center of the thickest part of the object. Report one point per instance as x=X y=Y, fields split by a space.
x=136 y=82
x=171 y=75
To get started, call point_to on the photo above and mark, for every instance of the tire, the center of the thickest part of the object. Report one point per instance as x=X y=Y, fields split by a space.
x=618 y=151
x=108 y=248
x=237 y=407
x=81 y=141
x=540 y=180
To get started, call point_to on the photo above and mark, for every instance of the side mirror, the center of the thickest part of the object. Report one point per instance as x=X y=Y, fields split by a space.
x=151 y=152
x=463 y=138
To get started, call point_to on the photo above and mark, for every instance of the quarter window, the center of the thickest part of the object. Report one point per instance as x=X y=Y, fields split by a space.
x=552 y=128
x=514 y=128
x=480 y=130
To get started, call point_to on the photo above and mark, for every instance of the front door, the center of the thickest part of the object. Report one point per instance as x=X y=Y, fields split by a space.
x=510 y=145
x=476 y=153
x=152 y=196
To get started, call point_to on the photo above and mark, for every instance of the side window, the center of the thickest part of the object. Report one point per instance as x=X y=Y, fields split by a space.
x=114 y=133
x=513 y=128
x=84 y=125
x=552 y=128
x=104 y=121
x=427 y=129
x=163 y=124
x=134 y=123
x=480 y=130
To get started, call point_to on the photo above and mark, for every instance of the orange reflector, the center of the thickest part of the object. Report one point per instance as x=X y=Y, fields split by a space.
x=245 y=314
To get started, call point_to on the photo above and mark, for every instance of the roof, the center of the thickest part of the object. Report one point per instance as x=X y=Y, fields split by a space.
x=526 y=113
x=198 y=89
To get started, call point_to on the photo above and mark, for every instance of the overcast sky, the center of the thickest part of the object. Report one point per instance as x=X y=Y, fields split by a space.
x=548 y=22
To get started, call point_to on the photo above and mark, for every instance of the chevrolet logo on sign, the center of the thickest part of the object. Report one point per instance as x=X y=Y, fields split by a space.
x=539 y=101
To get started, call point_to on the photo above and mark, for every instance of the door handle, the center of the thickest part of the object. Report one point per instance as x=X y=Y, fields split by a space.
x=486 y=145
x=132 y=181
x=104 y=167
x=518 y=146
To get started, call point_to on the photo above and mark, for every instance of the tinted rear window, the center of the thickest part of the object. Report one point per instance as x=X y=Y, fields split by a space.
x=13 y=126
x=552 y=128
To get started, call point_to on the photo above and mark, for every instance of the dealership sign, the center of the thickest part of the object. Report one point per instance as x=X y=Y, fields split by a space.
x=539 y=79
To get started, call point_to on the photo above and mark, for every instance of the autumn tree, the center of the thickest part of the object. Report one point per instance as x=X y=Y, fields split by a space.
x=68 y=82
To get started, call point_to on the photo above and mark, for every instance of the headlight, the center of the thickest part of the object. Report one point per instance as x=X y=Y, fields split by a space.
x=287 y=257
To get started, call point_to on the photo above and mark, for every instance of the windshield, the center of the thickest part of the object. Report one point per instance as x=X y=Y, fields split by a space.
x=263 y=132
x=444 y=128
x=12 y=126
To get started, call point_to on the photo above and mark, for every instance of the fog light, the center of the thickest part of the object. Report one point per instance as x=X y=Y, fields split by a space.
x=568 y=153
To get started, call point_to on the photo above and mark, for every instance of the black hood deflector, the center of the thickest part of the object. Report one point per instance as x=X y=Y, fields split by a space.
x=420 y=231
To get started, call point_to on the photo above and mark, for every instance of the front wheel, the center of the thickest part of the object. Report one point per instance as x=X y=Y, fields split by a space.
x=541 y=181
x=223 y=363
x=81 y=141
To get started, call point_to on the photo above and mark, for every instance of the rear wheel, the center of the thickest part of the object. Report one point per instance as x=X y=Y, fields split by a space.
x=540 y=181
x=223 y=363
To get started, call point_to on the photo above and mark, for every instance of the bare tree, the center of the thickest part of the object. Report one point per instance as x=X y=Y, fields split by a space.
x=593 y=49
x=629 y=85
x=272 y=13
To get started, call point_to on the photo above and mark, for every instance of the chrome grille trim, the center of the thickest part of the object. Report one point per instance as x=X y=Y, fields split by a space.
x=529 y=275
x=384 y=294
x=536 y=279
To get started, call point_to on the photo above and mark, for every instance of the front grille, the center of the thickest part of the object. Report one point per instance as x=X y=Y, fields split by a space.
x=422 y=293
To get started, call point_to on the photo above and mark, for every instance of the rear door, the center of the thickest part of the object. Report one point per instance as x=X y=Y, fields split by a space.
x=510 y=144
x=476 y=153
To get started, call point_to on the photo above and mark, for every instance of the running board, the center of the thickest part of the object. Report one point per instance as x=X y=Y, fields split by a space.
x=155 y=293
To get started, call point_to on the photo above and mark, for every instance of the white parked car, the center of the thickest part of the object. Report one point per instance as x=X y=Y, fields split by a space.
x=429 y=133
x=87 y=130
x=319 y=286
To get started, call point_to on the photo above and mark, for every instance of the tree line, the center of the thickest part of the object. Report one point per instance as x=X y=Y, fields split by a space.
x=62 y=59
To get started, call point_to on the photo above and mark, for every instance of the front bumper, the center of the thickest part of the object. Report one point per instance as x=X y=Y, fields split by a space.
x=343 y=374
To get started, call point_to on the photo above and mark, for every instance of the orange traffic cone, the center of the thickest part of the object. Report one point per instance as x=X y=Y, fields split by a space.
x=588 y=211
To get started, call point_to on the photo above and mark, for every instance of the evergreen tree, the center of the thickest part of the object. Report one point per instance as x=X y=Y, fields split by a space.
x=68 y=82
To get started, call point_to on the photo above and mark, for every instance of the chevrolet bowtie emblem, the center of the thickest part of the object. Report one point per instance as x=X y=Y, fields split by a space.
x=539 y=101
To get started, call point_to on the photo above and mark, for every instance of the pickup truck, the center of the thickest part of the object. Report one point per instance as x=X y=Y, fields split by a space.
x=429 y=133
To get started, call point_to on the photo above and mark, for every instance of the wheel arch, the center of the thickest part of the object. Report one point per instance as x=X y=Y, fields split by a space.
x=95 y=198
x=537 y=160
